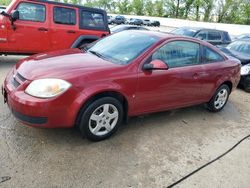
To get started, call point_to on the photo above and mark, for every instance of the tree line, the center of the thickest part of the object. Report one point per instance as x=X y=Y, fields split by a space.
x=221 y=11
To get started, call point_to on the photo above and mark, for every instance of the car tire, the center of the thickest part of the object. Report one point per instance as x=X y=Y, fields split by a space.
x=247 y=88
x=219 y=99
x=101 y=118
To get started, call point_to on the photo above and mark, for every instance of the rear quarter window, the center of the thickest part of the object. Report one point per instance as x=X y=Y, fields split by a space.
x=227 y=37
x=210 y=56
x=92 y=20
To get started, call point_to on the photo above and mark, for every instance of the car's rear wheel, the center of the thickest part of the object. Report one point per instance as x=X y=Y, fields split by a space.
x=101 y=118
x=219 y=99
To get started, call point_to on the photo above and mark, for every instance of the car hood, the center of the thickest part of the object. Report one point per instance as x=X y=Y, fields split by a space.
x=244 y=58
x=64 y=64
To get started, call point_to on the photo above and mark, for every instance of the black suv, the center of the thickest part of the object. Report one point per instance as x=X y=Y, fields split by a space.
x=213 y=36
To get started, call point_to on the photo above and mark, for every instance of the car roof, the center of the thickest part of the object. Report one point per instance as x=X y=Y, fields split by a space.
x=202 y=28
x=160 y=35
x=67 y=4
x=165 y=36
x=242 y=40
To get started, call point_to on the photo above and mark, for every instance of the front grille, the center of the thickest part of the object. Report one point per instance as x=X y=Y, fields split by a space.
x=17 y=79
x=15 y=82
x=21 y=77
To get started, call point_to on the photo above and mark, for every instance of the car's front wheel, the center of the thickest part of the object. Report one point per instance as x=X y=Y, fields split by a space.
x=219 y=99
x=101 y=118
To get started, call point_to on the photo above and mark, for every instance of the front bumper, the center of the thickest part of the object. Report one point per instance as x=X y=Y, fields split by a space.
x=58 y=112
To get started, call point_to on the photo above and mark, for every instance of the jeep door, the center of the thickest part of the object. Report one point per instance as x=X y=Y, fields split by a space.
x=31 y=33
x=64 y=26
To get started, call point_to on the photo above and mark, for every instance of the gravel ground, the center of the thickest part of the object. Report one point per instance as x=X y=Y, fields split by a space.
x=150 y=151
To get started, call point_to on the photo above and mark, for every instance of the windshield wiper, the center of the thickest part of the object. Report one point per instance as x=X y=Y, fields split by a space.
x=97 y=54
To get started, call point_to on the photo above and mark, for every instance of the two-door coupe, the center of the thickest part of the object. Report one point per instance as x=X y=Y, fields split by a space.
x=125 y=74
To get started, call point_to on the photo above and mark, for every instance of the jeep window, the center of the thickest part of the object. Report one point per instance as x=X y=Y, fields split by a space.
x=65 y=16
x=32 y=12
x=92 y=20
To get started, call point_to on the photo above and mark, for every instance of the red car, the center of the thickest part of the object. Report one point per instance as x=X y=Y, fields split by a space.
x=31 y=26
x=126 y=74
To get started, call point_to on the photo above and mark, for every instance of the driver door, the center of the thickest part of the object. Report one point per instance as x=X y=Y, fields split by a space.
x=32 y=29
x=178 y=86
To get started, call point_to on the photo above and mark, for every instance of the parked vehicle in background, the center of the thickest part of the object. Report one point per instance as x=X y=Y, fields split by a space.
x=119 y=20
x=135 y=21
x=29 y=26
x=125 y=74
x=120 y=28
x=213 y=36
x=146 y=22
x=2 y=8
x=240 y=49
x=129 y=21
x=110 y=19
x=243 y=36
x=155 y=23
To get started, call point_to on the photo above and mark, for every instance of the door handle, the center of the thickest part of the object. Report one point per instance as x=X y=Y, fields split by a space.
x=71 y=31
x=195 y=76
x=199 y=75
x=42 y=29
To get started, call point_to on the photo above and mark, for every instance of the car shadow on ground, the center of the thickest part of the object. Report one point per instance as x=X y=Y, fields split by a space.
x=135 y=125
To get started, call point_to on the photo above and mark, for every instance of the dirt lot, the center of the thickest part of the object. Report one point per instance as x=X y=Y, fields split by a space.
x=151 y=151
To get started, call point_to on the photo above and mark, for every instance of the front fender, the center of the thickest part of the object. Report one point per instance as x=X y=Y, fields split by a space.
x=89 y=92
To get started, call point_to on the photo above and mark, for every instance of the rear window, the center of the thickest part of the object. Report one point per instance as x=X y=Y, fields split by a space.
x=92 y=20
x=65 y=16
x=227 y=37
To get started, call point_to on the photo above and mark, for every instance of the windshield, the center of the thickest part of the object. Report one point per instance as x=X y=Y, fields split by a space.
x=243 y=36
x=123 y=47
x=240 y=46
x=185 y=32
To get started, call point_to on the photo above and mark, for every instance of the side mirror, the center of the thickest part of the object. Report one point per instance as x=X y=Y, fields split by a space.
x=155 y=65
x=14 y=15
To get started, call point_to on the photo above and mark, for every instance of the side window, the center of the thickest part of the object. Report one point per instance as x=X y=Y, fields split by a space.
x=213 y=35
x=92 y=20
x=202 y=35
x=210 y=56
x=31 y=12
x=179 y=54
x=65 y=16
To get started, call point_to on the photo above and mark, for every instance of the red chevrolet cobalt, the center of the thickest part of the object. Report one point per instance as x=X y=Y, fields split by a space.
x=126 y=74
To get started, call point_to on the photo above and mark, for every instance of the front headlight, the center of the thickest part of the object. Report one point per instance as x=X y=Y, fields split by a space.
x=245 y=70
x=47 y=88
